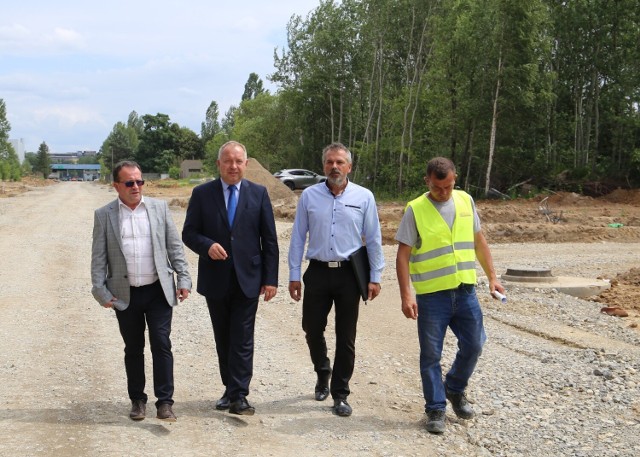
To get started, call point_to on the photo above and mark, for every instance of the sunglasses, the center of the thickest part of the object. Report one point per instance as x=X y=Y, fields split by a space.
x=139 y=182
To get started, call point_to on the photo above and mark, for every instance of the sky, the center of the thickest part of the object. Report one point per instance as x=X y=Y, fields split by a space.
x=70 y=70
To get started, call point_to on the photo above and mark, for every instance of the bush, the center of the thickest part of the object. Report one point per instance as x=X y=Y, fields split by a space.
x=174 y=173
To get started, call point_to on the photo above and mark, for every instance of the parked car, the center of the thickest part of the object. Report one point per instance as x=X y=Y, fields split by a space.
x=297 y=178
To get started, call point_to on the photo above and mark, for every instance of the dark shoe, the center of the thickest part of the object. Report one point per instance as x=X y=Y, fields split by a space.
x=165 y=413
x=460 y=405
x=322 y=386
x=342 y=408
x=242 y=407
x=223 y=403
x=435 y=421
x=138 y=410
x=322 y=392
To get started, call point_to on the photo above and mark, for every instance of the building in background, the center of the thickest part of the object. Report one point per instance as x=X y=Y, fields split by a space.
x=190 y=168
x=71 y=157
x=18 y=146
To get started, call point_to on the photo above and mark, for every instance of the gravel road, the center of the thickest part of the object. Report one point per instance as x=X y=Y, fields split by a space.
x=557 y=378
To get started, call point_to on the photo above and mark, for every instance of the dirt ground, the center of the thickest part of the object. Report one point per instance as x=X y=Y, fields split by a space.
x=61 y=354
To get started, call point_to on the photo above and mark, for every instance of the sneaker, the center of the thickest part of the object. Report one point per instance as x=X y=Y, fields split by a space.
x=435 y=421
x=460 y=405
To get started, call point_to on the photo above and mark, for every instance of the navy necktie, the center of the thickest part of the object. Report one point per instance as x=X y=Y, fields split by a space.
x=232 y=204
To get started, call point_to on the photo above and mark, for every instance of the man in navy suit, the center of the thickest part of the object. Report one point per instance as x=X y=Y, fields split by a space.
x=230 y=225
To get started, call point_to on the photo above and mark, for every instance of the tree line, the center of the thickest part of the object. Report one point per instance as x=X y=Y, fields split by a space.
x=522 y=96
x=543 y=92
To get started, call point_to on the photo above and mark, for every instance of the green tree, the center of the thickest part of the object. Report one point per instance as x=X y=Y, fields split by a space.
x=164 y=144
x=88 y=159
x=118 y=145
x=228 y=121
x=189 y=145
x=158 y=144
x=9 y=163
x=321 y=75
x=211 y=126
x=10 y=169
x=253 y=87
x=595 y=119
x=260 y=125
x=43 y=160
x=5 y=126
x=135 y=126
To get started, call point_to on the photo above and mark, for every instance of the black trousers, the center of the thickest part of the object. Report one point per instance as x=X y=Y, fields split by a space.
x=148 y=306
x=233 y=317
x=324 y=287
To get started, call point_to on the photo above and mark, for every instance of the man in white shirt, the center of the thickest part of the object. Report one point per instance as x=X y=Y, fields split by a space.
x=136 y=250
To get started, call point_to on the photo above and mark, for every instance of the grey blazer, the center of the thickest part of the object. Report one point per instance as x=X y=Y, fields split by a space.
x=109 y=277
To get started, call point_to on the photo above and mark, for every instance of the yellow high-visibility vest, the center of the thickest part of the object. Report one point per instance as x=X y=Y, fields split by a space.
x=445 y=257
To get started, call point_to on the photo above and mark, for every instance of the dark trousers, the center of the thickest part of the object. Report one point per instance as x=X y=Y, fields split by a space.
x=233 y=317
x=323 y=287
x=149 y=306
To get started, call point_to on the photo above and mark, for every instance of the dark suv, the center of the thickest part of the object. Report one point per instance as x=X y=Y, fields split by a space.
x=297 y=178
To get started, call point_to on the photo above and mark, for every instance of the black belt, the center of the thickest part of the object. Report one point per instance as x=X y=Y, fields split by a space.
x=336 y=264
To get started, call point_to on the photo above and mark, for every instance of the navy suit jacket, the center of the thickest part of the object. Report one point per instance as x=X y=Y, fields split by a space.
x=252 y=242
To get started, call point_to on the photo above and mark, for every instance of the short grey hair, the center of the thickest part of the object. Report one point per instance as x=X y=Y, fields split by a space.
x=334 y=147
x=232 y=143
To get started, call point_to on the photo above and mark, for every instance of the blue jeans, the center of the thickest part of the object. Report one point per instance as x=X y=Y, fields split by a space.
x=460 y=310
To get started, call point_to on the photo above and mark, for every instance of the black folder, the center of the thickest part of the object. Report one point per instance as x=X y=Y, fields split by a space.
x=360 y=264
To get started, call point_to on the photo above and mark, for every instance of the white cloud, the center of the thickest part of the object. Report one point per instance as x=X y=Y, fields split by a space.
x=19 y=40
x=67 y=116
x=66 y=38
x=71 y=69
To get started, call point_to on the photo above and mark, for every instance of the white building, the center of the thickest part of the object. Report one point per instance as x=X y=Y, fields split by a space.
x=18 y=146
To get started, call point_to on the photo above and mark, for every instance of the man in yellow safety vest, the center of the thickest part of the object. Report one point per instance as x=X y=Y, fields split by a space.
x=439 y=240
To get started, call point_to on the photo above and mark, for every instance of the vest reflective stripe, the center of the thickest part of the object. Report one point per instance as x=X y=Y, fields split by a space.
x=441 y=251
x=446 y=257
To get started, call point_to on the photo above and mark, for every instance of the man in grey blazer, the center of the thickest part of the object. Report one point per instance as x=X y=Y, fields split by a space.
x=135 y=252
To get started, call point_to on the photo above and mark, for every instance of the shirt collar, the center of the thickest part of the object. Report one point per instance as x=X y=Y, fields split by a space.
x=326 y=184
x=225 y=186
x=140 y=205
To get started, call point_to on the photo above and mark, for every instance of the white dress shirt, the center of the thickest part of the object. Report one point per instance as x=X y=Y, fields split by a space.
x=137 y=247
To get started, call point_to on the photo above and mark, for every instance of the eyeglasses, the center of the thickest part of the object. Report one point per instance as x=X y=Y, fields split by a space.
x=139 y=182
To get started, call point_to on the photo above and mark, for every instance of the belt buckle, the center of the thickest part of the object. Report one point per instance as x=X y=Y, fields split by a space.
x=333 y=264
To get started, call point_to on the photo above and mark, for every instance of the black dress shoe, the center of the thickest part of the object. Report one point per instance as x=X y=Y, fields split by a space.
x=223 y=403
x=322 y=392
x=322 y=386
x=242 y=407
x=341 y=407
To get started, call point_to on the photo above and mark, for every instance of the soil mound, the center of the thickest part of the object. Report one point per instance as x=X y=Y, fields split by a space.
x=283 y=199
x=257 y=173
x=624 y=196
